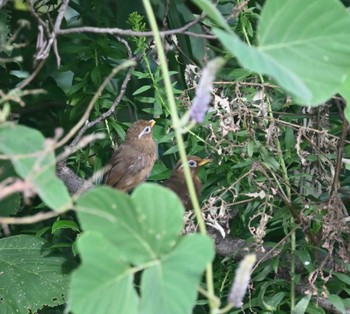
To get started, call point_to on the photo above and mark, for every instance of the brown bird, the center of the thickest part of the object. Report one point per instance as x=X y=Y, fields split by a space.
x=177 y=181
x=133 y=161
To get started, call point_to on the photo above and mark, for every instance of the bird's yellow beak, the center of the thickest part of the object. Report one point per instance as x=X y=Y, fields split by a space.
x=204 y=161
x=152 y=123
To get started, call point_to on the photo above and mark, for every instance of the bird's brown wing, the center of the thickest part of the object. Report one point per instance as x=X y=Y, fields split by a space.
x=129 y=168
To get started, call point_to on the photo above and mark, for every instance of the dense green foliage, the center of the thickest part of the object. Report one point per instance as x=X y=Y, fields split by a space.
x=278 y=186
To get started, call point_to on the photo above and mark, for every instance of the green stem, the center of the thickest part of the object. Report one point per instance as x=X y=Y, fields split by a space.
x=177 y=127
x=289 y=199
x=293 y=238
x=155 y=83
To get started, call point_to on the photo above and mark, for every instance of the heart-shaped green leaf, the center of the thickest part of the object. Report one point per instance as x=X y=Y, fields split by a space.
x=142 y=230
x=142 y=227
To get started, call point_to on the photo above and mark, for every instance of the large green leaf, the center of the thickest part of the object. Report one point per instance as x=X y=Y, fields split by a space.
x=142 y=231
x=171 y=285
x=29 y=280
x=303 y=45
x=26 y=149
x=103 y=284
x=142 y=227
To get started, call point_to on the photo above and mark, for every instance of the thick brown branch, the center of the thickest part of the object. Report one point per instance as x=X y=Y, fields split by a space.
x=73 y=182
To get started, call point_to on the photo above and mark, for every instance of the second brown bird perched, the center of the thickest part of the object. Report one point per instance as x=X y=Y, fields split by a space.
x=177 y=181
x=133 y=161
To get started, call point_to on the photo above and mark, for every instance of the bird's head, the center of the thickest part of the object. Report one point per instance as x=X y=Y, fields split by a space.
x=194 y=163
x=140 y=130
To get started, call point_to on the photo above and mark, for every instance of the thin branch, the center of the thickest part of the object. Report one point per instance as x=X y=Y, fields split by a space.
x=32 y=75
x=246 y=84
x=18 y=186
x=298 y=127
x=197 y=35
x=71 y=149
x=86 y=114
x=16 y=95
x=28 y=219
x=127 y=32
x=116 y=102
x=44 y=52
x=38 y=18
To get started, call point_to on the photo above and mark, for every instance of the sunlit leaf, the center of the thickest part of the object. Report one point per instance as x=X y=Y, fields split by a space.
x=140 y=230
x=143 y=227
x=307 y=56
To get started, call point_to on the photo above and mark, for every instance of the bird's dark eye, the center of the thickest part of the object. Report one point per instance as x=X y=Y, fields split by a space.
x=146 y=130
x=192 y=163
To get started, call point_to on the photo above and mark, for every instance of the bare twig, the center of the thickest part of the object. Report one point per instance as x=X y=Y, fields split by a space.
x=13 y=59
x=205 y=36
x=127 y=32
x=52 y=38
x=298 y=127
x=262 y=85
x=16 y=95
x=69 y=150
x=32 y=75
x=38 y=18
x=28 y=219
x=86 y=114
x=18 y=186
x=116 y=102
x=44 y=51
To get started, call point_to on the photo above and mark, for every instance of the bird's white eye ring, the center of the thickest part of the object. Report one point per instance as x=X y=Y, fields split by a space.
x=192 y=163
x=146 y=130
